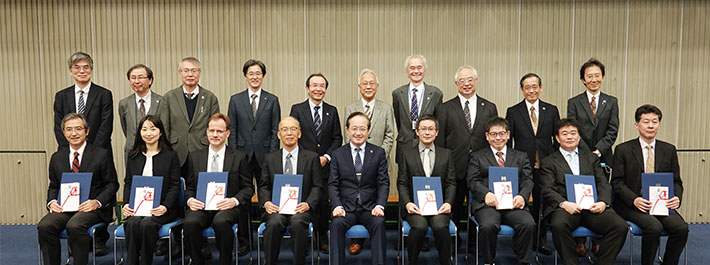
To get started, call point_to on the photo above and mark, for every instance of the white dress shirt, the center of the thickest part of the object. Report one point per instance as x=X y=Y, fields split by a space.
x=504 y=151
x=257 y=99
x=644 y=150
x=194 y=92
x=220 y=159
x=537 y=108
x=596 y=98
x=148 y=166
x=572 y=159
x=81 y=154
x=146 y=102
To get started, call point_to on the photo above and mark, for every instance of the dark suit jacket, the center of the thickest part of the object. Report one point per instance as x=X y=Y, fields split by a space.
x=103 y=180
x=431 y=99
x=599 y=133
x=239 y=183
x=552 y=179
x=254 y=135
x=166 y=165
x=308 y=166
x=456 y=136
x=373 y=186
x=98 y=113
x=128 y=113
x=411 y=166
x=477 y=175
x=628 y=166
x=521 y=132
x=330 y=137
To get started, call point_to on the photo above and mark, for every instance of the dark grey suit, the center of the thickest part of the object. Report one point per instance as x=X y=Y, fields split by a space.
x=254 y=135
x=129 y=115
x=431 y=99
x=600 y=132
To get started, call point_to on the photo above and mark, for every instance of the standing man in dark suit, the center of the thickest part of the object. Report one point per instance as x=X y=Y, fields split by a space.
x=532 y=130
x=291 y=159
x=134 y=107
x=646 y=154
x=95 y=103
x=426 y=159
x=358 y=187
x=566 y=216
x=485 y=204
x=463 y=131
x=255 y=116
x=217 y=158
x=321 y=134
x=412 y=101
x=78 y=156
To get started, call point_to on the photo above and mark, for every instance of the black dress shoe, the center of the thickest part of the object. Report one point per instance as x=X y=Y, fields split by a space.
x=206 y=253
x=243 y=251
x=101 y=249
x=161 y=247
x=176 y=252
x=545 y=250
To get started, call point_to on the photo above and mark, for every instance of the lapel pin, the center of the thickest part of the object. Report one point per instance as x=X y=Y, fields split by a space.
x=428 y=98
x=543 y=108
x=483 y=103
x=371 y=152
x=604 y=101
x=327 y=114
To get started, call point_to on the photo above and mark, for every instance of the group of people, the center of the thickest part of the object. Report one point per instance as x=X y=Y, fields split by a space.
x=182 y=133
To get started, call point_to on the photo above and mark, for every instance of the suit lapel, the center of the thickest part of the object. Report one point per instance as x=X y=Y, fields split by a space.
x=426 y=97
x=153 y=105
x=492 y=159
x=638 y=154
x=133 y=110
x=327 y=116
x=301 y=165
x=525 y=115
x=228 y=158
x=563 y=162
x=459 y=111
x=368 y=157
x=541 y=118
x=587 y=108
x=93 y=91
x=71 y=98
x=480 y=120
x=602 y=104
x=199 y=106
x=262 y=103
x=181 y=103
x=86 y=159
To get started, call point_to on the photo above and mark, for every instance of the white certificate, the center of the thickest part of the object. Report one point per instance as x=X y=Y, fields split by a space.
x=70 y=196
x=215 y=193
x=144 y=201
x=504 y=194
x=658 y=195
x=584 y=195
x=288 y=200
x=427 y=202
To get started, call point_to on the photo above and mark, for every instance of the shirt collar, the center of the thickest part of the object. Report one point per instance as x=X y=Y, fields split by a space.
x=85 y=89
x=422 y=147
x=220 y=152
x=565 y=153
x=372 y=103
x=312 y=104
x=495 y=152
x=146 y=98
x=80 y=150
x=536 y=104
x=194 y=92
x=352 y=147
x=472 y=100
x=420 y=87
x=294 y=153
x=644 y=144
x=589 y=96
x=250 y=92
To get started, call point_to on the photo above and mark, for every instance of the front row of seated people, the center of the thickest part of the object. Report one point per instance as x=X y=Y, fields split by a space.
x=358 y=187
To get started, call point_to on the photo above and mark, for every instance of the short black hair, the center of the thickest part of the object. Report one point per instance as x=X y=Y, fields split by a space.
x=528 y=75
x=252 y=62
x=308 y=80
x=357 y=113
x=497 y=121
x=647 y=108
x=564 y=123
x=591 y=62
x=148 y=72
x=427 y=117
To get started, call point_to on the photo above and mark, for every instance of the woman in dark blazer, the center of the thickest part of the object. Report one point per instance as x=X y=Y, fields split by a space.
x=151 y=155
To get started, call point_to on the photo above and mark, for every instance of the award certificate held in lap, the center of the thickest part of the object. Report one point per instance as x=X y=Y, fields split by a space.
x=211 y=188
x=287 y=192
x=429 y=196
x=582 y=190
x=658 y=188
x=146 y=192
x=74 y=190
x=503 y=181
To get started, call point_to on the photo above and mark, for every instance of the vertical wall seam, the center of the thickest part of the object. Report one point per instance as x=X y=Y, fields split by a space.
x=145 y=33
x=199 y=29
x=93 y=28
x=251 y=27
x=305 y=47
x=626 y=64
x=42 y=75
x=411 y=27
x=571 y=61
x=520 y=17
x=680 y=66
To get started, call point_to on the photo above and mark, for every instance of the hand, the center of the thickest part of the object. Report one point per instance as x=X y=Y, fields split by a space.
x=126 y=211
x=226 y=204
x=54 y=207
x=518 y=202
x=491 y=200
x=571 y=207
x=598 y=207
x=88 y=206
x=323 y=161
x=159 y=211
x=302 y=207
x=412 y=208
x=339 y=212
x=270 y=208
x=377 y=211
x=444 y=209
x=673 y=203
x=597 y=152
x=642 y=204
x=195 y=204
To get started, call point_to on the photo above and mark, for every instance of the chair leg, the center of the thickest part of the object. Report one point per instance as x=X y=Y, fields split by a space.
x=631 y=246
x=39 y=254
x=258 y=249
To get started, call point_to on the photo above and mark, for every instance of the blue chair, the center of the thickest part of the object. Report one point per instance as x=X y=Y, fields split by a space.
x=581 y=232
x=429 y=233
x=166 y=231
x=635 y=230
x=355 y=231
x=285 y=234
x=63 y=235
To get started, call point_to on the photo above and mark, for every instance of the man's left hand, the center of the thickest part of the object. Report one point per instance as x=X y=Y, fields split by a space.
x=302 y=207
x=518 y=202
x=88 y=206
x=377 y=211
x=323 y=161
x=598 y=207
x=673 y=203
x=444 y=209
x=226 y=204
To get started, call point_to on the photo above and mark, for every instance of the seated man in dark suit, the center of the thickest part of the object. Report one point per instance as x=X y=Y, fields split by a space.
x=77 y=157
x=425 y=159
x=291 y=159
x=358 y=187
x=645 y=154
x=485 y=204
x=566 y=216
x=216 y=158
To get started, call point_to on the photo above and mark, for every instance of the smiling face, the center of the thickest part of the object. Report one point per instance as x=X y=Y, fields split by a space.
x=316 y=89
x=531 y=89
x=254 y=77
x=466 y=81
x=139 y=81
x=149 y=133
x=368 y=86
x=81 y=72
x=357 y=130
x=648 y=126
x=593 y=78
x=75 y=132
x=416 y=70
x=217 y=133
x=497 y=137
x=289 y=132
x=568 y=137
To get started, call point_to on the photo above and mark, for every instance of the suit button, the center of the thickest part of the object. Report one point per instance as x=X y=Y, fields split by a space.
x=318 y=145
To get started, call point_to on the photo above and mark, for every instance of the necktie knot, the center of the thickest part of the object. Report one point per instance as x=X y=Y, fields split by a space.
x=358 y=149
x=316 y=108
x=189 y=95
x=289 y=156
x=499 y=154
x=141 y=101
x=532 y=108
x=76 y=154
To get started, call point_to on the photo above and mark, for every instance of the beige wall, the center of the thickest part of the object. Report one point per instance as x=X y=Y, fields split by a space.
x=655 y=52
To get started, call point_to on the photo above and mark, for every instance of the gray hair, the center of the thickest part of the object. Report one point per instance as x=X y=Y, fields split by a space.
x=415 y=56
x=72 y=116
x=78 y=56
x=365 y=71
x=456 y=76
x=192 y=60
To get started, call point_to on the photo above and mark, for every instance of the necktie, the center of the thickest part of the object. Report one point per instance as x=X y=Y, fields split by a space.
x=650 y=160
x=215 y=166
x=414 y=113
x=501 y=160
x=142 y=107
x=533 y=119
x=368 y=111
x=189 y=95
x=573 y=164
x=593 y=105
x=427 y=162
x=467 y=113
x=75 y=163
x=82 y=104
x=358 y=163
x=316 y=121
x=289 y=165
x=253 y=105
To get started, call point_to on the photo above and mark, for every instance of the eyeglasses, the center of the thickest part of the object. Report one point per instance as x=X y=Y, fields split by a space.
x=74 y=129
x=138 y=78
x=187 y=71
x=254 y=74
x=358 y=129
x=287 y=129
x=429 y=129
x=497 y=134
x=533 y=87
x=373 y=84
x=466 y=80
x=78 y=68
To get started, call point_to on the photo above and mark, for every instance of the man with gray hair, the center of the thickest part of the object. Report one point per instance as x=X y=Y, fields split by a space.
x=135 y=106
x=381 y=119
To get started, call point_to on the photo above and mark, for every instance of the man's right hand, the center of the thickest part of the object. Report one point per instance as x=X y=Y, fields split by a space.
x=195 y=205
x=126 y=211
x=642 y=204
x=270 y=208
x=339 y=212
x=491 y=200
x=412 y=208
x=54 y=207
x=571 y=207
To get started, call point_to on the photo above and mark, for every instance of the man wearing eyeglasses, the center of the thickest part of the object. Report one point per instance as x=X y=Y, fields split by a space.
x=255 y=116
x=95 y=103
x=143 y=102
